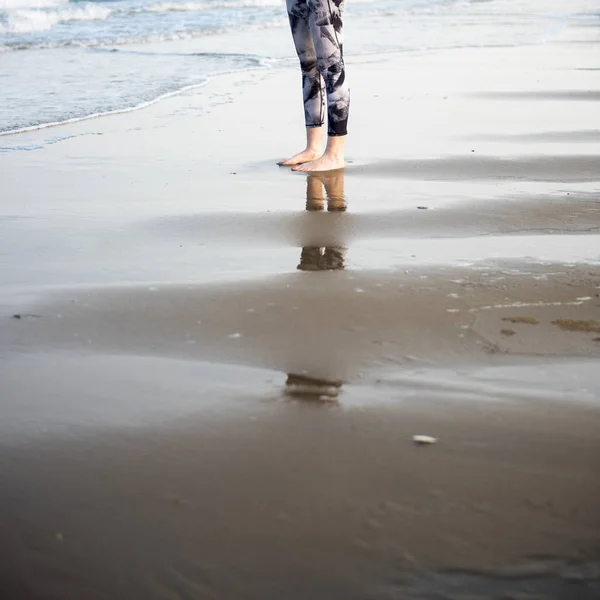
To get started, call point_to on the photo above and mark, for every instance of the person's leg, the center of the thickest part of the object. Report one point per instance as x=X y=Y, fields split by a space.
x=325 y=19
x=313 y=87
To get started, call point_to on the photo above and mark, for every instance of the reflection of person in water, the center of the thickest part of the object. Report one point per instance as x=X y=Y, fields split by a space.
x=314 y=258
x=304 y=387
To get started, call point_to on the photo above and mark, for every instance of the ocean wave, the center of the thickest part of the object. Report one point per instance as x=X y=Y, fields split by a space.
x=139 y=39
x=254 y=62
x=28 y=20
x=8 y=5
x=30 y=16
x=196 y=6
x=175 y=7
x=116 y=111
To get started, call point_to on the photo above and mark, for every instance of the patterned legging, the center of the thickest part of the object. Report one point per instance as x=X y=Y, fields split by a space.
x=318 y=36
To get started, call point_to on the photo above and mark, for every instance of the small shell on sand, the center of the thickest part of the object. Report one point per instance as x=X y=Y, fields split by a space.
x=423 y=439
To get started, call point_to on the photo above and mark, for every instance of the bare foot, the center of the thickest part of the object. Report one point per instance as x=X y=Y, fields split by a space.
x=327 y=162
x=300 y=158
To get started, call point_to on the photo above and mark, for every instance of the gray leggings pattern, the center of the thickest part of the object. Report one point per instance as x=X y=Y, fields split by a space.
x=318 y=36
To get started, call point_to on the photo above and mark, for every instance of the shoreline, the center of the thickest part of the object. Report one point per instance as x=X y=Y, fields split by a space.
x=117 y=111
x=141 y=106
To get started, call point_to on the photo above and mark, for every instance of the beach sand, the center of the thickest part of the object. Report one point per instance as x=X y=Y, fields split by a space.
x=212 y=369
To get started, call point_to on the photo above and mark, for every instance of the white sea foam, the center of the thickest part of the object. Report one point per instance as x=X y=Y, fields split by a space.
x=176 y=7
x=28 y=20
x=197 y=6
x=257 y=64
x=116 y=111
x=8 y=5
x=141 y=39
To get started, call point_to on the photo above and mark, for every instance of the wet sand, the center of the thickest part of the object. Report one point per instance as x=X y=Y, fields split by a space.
x=211 y=369
x=256 y=496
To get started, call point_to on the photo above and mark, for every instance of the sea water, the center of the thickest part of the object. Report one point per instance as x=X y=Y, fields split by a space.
x=62 y=60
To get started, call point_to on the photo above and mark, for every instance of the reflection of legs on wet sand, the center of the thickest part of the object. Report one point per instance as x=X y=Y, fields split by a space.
x=311 y=259
x=334 y=187
x=314 y=194
x=315 y=258
x=318 y=258
x=312 y=388
x=334 y=259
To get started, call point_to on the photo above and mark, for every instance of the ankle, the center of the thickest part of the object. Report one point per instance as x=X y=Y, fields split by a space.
x=334 y=153
x=335 y=147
